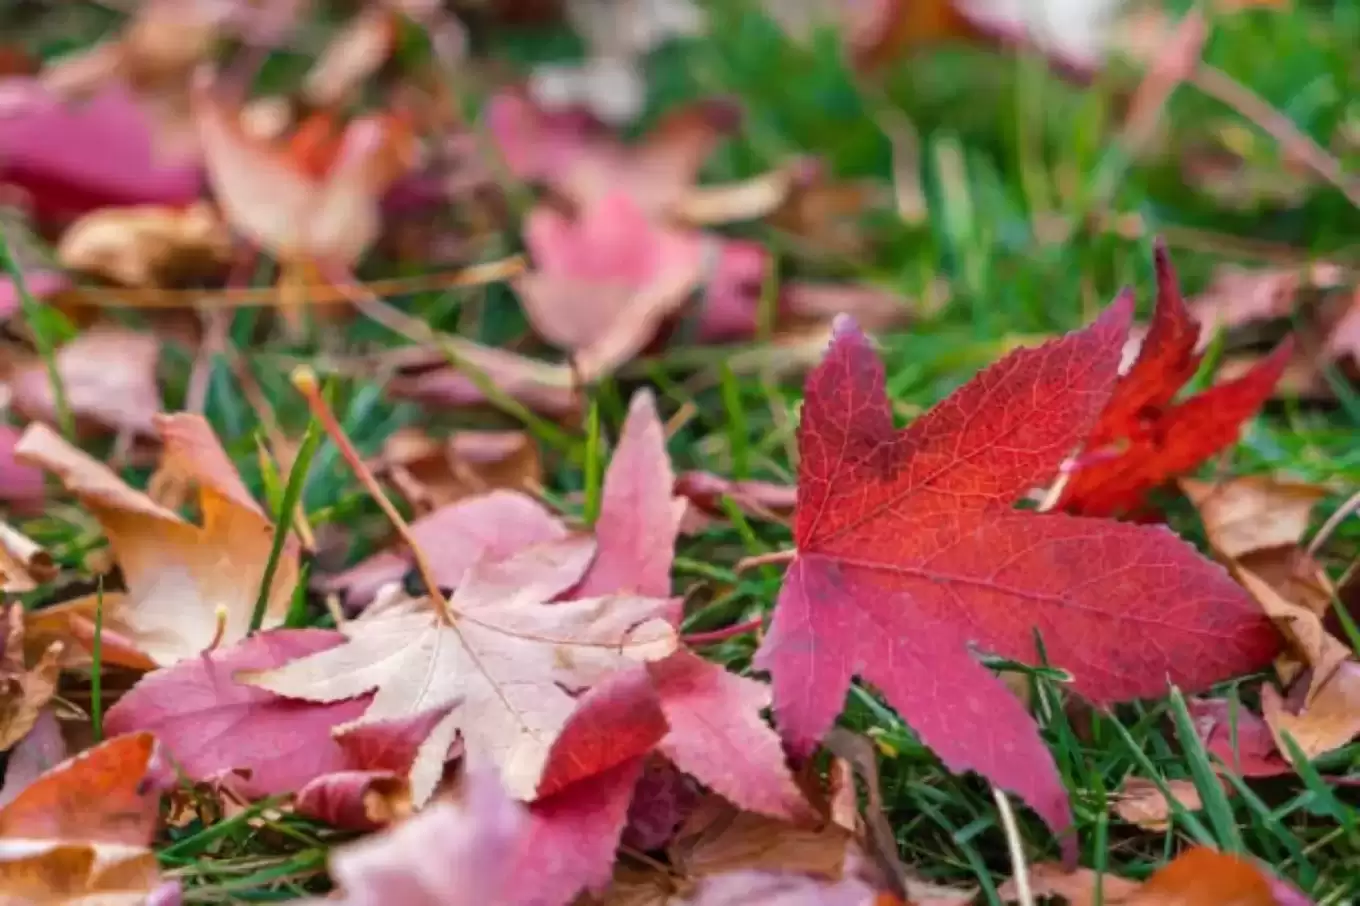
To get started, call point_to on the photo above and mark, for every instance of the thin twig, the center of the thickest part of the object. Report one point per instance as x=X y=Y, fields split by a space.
x=263 y=296
x=1333 y=522
x=1019 y=869
x=1223 y=88
x=304 y=379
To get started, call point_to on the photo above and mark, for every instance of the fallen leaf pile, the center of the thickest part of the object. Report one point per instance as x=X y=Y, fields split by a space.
x=570 y=663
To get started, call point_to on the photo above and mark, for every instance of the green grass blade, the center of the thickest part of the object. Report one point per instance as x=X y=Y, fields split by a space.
x=283 y=522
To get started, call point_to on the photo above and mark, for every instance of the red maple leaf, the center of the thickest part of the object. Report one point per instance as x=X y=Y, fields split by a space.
x=1143 y=438
x=910 y=556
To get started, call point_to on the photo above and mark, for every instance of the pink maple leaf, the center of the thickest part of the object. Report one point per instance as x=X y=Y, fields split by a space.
x=76 y=157
x=910 y=556
x=717 y=732
x=213 y=725
x=608 y=281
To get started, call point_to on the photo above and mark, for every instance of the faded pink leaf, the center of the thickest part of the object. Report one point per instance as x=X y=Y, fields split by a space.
x=491 y=527
x=109 y=377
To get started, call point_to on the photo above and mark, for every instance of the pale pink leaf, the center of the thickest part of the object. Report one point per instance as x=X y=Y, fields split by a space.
x=489 y=527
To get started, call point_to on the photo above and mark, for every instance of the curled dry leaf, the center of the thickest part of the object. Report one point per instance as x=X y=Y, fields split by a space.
x=1257 y=524
x=1311 y=651
x=217 y=729
x=88 y=820
x=24 y=691
x=431 y=474
x=147 y=246
x=508 y=654
x=23 y=563
x=1143 y=438
x=189 y=586
x=108 y=375
x=480 y=529
x=1253 y=513
x=915 y=529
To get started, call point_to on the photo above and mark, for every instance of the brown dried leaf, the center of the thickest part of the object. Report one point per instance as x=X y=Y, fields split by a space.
x=718 y=838
x=430 y=473
x=1139 y=801
x=1309 y=642
x=149 y=246
x=182 y=578
x=1327 y=720
x=23 y=563
x=24 y=690
x=1240 y=296
x=1252 y=513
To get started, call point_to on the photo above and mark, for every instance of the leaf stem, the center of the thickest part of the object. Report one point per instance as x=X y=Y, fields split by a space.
x=746 y=564
x=304 y=379
x=713 y=636
x=283 y=522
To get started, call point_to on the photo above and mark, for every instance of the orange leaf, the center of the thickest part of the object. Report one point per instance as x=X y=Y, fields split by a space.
x=1206 y=877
